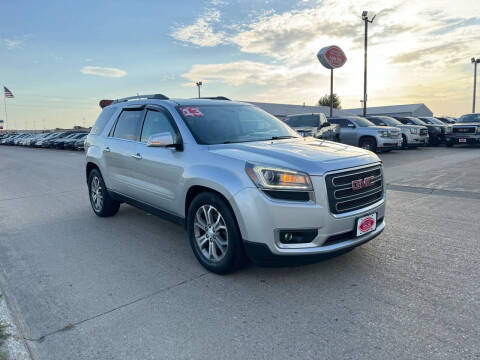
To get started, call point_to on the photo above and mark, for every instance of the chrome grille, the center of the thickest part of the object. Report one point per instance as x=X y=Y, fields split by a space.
x=354 y=189
x=464 y=130
x=423 y=132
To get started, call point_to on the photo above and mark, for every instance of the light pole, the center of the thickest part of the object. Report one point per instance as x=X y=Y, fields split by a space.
x=199 y=84
x=475 y=62
x=366 y=20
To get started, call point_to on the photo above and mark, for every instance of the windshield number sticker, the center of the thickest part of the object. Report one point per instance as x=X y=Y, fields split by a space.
x=191 y=111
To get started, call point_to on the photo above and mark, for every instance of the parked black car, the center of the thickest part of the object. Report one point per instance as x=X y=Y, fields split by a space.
x=447 y=120
x=71 y=142
x=436 y=132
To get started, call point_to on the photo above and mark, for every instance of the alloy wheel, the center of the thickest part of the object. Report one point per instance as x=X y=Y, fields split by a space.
x=211 y=233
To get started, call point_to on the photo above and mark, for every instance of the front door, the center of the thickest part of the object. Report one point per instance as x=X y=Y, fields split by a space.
x=160 y=170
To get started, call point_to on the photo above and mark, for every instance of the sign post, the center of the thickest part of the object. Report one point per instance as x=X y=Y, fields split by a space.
x=331 y=57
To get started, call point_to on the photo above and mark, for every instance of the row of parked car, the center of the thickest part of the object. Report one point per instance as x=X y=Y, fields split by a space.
x=71 y=140
x=385 y=133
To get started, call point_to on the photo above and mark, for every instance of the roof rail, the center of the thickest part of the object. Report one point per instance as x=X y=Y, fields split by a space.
x=214 y=98
x=104 y=103
x=136 y=97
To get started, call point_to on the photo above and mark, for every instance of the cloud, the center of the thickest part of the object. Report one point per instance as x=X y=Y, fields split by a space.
x=443 y=52
x=201 y=32
x=103 y=71
x=13 y=44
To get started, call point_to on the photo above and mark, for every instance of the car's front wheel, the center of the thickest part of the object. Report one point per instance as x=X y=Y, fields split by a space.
x=102 y=203
x=214 y=236
x=368 y=144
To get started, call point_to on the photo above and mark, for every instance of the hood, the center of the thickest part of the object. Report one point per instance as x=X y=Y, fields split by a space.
x=407 y=126
x=466 y=124
x=309 y=155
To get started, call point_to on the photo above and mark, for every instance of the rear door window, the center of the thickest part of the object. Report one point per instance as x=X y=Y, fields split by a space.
x=128 y=125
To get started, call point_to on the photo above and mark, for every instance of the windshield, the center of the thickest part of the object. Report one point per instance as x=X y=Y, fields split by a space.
x=385 y=119
x=221 y=124
x=432 y=121
x=362 y=122
x=469 y=118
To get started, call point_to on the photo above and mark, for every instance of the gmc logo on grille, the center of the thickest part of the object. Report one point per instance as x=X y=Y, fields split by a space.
x=363 y=183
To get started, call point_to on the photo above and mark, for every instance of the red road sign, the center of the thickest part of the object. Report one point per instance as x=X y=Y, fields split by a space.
x=331 y=57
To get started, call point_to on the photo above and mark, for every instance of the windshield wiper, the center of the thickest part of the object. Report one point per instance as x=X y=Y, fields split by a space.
x=282 y=137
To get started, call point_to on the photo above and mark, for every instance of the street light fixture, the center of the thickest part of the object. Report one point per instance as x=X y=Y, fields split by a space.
x=474 y=62
x=366 y=20
x=199 y=84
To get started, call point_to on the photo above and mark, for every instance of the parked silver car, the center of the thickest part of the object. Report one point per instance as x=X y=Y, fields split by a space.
x=412 y=135
x=358 y=131
x=243 y=183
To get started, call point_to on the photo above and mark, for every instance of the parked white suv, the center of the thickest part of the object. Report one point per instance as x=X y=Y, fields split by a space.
x=243 y=183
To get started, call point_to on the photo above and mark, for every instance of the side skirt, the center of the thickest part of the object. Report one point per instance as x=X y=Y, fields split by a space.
x=148 y=208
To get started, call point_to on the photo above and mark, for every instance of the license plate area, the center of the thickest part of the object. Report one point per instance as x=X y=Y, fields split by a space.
x=462 y=140
x=366 y=224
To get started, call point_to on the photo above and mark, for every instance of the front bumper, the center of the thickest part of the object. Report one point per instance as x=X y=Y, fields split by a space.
x=261 y=218
x=458 y=138
x=389 y=143
x=417 y=140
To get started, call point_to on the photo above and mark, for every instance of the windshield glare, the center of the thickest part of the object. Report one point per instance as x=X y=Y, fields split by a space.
x=469 y=118
x=219 y=124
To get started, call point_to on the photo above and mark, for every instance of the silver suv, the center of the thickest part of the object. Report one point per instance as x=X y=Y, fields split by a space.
x=358 y=131
x=243 y=183
x=412 y=135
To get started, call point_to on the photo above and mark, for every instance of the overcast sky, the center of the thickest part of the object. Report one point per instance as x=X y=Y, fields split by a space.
x=60 y=57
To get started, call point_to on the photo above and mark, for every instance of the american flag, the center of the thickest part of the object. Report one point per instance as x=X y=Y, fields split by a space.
x=8 y=93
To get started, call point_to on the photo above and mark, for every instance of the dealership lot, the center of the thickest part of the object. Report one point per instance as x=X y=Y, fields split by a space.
x=129 y=287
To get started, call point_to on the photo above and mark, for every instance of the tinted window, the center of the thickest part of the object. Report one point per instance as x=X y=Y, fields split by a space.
x=377 y=121
x=387 y=120
x=217 y=124
x=342 y=122
x=128 y=124
x=156 y=122
x=102 y=120
x=303 y=120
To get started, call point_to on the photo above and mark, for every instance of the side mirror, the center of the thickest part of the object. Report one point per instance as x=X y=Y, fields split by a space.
x=324 y=124
x=163 y=140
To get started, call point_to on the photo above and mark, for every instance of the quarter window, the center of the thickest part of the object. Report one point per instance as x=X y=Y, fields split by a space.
x=156 y=122
x=128 y=125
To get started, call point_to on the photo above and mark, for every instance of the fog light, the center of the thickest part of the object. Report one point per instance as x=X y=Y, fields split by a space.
x=297 y=236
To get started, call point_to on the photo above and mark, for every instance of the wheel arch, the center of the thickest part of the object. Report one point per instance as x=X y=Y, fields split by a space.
x=364 y=137
x=195 y=190
x=89 y=167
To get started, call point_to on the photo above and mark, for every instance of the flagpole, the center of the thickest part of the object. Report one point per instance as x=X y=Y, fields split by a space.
x=5 y=104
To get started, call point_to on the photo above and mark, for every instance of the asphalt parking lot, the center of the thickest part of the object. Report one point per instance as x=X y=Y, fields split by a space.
x=129 y=287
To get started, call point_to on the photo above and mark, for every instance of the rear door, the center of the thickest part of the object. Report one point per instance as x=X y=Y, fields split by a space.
x=348 y=132
x=121 y=152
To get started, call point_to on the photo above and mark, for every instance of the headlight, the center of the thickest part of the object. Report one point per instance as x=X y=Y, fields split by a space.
x=383 y=133
x=413 y=131
x=273 y=178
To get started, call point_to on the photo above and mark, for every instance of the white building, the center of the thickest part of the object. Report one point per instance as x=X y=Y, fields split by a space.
x=395 y=110
x=283 y=110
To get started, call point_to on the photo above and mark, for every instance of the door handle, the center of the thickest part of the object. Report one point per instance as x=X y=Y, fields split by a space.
x=137 y=156
x=107 y=149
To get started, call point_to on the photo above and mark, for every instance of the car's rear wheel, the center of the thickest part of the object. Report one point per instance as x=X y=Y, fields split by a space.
x=214 y=236
x=368 y=144
x=102 y=203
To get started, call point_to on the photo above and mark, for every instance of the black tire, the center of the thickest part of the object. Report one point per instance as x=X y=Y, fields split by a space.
x=234 y=256
x=108 y=206
x=404 y=142
x=449 y=143
x=368 y=144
